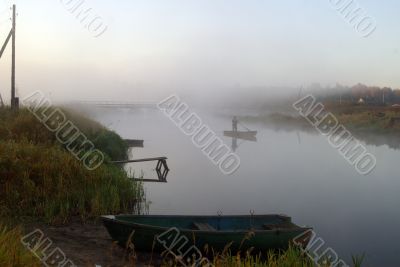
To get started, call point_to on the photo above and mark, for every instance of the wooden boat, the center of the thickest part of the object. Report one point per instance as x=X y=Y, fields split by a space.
x=260 y=232
x=245 y=135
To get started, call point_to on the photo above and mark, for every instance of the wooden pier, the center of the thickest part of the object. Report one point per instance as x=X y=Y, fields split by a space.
x=161 y=168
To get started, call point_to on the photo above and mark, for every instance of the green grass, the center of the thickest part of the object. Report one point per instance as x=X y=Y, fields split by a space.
x=22 y=125
x=289 y=258
x=364 y=118
x=46 y=181
x=292 y=257
x=12 y=252
x=107 y=141
x=39 y=178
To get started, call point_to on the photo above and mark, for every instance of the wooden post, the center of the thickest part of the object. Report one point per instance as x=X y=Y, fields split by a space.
x=14 y=101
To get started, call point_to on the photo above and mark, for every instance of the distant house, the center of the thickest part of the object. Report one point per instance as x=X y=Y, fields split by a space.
x=361 y=101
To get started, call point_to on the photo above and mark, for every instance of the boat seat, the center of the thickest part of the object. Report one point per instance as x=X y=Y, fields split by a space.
x=203 y=226
x=278 y=226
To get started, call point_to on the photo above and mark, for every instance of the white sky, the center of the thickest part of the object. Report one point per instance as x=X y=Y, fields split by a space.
x=152 y=48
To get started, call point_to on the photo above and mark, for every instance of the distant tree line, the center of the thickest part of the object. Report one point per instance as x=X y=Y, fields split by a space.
x=372 y=95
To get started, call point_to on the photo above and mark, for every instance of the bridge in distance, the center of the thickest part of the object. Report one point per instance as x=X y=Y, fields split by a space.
x=117 y=104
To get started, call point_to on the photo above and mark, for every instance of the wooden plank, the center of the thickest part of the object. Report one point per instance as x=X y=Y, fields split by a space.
x=161 y=168
x=138 y=160
x=149 y=180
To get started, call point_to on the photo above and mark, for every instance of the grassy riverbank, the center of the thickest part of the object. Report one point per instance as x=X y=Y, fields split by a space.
x=41 y=181
x=363 y=119
x=39 y=178
x=292 y=257
x=367 y=118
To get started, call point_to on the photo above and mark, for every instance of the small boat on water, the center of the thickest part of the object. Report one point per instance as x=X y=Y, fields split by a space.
x=244 y=135
x=260 y=232
x=236 y=135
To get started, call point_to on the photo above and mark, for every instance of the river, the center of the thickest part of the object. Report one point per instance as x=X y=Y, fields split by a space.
x=285 y=172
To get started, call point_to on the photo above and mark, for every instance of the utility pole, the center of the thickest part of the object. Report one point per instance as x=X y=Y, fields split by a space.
x=11 y=35
x=14 y=100
x=1 y=101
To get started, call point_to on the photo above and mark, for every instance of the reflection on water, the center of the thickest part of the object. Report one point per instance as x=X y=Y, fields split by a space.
x=279 y=122
x=391 y=140
x=287 y=171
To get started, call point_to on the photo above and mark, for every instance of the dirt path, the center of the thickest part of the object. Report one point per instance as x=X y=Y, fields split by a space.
x=90 y=245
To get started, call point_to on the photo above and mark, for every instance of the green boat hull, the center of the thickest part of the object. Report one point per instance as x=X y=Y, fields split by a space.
x=156 y=233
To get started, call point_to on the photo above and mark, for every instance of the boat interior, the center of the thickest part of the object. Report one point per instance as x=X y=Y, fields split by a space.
x=212 y=223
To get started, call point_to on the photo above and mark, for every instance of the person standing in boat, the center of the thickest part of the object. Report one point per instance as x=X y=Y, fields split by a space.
x=234 y=124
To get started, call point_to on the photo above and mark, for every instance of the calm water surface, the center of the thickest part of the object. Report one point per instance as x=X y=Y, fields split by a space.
x=298 y=174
